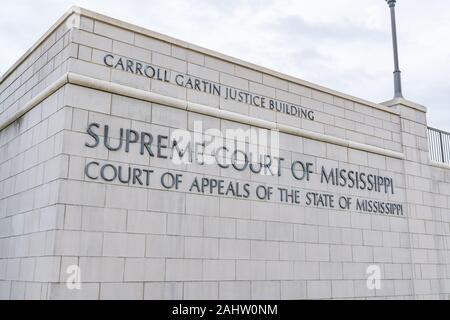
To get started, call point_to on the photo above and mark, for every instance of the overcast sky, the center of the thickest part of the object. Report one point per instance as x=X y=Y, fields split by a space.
x=341 y=44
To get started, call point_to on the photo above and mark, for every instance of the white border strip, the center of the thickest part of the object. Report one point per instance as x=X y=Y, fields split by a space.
x=192 y=107
x=6 y=119
x=440 y=165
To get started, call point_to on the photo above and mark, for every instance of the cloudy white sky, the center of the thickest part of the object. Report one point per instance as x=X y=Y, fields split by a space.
x=341 y=44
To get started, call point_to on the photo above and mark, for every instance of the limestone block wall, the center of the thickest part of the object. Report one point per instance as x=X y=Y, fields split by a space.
x=31 y=164
x=337 y=115
x=427 y=195
x=137 y=240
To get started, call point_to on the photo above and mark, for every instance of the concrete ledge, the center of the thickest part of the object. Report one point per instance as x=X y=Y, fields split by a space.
x=440 y=165
x=404 y=102
x=7 y=118
x=119 y=89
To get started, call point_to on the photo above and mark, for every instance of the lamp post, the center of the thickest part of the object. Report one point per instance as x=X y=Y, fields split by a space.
x=397 y=75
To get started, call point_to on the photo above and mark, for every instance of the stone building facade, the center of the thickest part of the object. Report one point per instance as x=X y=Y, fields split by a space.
x=94 y=206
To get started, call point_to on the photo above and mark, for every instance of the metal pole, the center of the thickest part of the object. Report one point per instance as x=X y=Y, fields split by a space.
x=397 y=75
x=442 y=147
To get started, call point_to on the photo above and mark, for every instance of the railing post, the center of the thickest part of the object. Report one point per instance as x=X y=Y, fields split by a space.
x=442 y=146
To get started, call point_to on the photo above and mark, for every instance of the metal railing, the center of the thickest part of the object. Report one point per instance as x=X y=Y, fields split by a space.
x=439 y=143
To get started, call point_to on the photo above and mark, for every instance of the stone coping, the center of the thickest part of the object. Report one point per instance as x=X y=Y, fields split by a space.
x=37 y=43
x=404 y=102
x=440 y=165
x=128 y=26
